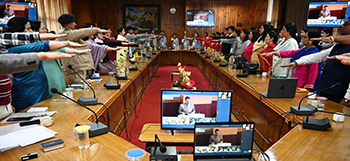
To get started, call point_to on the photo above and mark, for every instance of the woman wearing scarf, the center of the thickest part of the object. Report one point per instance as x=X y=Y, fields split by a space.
x=307 y=74
x=290 y=42
x=260 y=44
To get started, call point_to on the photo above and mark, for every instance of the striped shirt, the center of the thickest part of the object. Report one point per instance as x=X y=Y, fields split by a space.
x=5 y=90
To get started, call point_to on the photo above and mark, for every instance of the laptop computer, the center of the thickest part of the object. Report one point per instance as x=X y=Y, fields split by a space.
x=281 y=88
x=223 y=141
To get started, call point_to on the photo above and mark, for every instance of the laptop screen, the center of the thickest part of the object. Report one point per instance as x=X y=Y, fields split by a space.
x=223 y=140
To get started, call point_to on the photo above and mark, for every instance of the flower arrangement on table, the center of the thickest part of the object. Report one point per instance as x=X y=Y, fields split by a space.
x=184 y=81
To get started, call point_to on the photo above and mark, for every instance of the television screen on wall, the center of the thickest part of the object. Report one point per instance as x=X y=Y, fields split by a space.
x=200 y=18
x=22 y=9
x=328 y=14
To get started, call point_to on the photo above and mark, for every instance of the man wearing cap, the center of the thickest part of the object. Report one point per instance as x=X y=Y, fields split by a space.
x=81 y=63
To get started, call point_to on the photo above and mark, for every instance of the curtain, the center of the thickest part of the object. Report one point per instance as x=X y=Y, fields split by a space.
x=50 y=10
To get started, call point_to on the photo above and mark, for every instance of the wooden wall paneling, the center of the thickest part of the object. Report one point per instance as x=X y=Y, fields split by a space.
x=229 y=12
x=83 y=11
x=299 y=17
x=278 y=13
x=110 y=13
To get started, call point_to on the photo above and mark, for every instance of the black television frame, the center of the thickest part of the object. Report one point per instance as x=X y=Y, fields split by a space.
x=200 y=25
x=161 y=106
x=222 y=156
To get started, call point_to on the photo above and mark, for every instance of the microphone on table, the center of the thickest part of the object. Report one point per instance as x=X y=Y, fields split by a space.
x=163 y=153
x=162 y=147
x=96 y=128
x=109 y=85
x=309 y=109
x=319 y=124
x=85 y=100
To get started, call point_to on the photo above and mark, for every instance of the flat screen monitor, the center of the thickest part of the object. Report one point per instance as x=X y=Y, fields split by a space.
x=200 y=18
x=182 y=109
x=328 y=14
x=22 y=9
x=223 y=140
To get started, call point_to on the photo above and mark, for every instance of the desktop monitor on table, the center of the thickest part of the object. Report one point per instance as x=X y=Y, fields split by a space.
x=182 y=109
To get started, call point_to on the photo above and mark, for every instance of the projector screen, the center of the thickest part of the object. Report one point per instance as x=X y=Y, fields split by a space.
x=200 y=18
x=327 y=14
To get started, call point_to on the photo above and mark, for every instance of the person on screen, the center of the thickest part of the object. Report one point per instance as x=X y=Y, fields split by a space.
x=216 y=138
x=325 y=12
x=9 y=12
x=187 y=107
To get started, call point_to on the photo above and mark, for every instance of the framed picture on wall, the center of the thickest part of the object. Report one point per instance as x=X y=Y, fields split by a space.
x=143 y=17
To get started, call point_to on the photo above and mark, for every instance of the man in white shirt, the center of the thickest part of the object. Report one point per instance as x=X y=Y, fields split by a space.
x=187 y=107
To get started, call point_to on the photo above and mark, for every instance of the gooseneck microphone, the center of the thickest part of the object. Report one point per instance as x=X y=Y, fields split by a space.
x=97 y=128
x=162 y=147
x=309 y=109
x=85 y=100
x=163 y=153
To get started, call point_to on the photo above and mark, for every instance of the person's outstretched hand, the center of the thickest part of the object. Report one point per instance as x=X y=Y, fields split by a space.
x=344 y=58
x=53 y=55
x=49 y=36
x=291 y=65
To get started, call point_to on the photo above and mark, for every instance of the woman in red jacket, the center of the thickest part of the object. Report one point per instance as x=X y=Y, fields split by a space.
x=265 y=61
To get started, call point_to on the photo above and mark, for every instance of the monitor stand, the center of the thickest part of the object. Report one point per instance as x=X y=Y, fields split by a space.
x=180 y=131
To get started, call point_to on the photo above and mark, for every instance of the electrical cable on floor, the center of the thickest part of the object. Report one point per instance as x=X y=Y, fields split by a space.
x=125 y=117
x=108 y=122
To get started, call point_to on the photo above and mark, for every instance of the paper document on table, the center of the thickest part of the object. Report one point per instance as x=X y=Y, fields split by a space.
x=38 y=109
x=22 y=136
x=6 y=143
x=31 y=135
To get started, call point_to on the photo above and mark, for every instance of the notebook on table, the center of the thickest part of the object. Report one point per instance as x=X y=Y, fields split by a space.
x=223 y=141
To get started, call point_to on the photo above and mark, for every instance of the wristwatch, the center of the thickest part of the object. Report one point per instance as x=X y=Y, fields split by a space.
x=346 y=100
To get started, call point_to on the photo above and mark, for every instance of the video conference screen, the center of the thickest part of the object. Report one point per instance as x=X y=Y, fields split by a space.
x=200 y=18
x=328 y=14
x=182 y=109
x=225 y=139
x=9 y=9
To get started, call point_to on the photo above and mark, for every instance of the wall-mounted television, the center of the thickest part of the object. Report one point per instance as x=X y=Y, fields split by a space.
x=200 y=18
x=328 y=14
x=22 y=9
x=182 y=109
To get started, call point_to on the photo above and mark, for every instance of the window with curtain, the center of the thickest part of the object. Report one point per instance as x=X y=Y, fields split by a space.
x=50 y=10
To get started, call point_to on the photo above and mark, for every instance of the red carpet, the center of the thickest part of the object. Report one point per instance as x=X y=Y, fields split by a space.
x=148 y=108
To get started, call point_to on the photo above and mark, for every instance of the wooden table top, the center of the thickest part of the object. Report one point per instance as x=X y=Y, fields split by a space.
x=103 y=147
x=305 y=144
x=150 y=129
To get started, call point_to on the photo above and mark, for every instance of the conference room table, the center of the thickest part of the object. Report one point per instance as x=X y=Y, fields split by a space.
x=281 y=137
